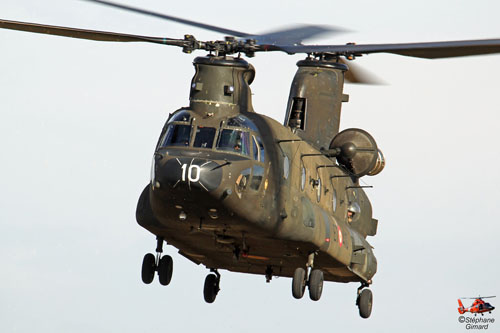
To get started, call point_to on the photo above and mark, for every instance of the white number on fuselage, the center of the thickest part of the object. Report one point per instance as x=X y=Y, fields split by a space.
x=188 y=171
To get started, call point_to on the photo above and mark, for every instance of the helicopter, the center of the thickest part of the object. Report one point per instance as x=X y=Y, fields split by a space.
x=221 y=221
x=478 y=306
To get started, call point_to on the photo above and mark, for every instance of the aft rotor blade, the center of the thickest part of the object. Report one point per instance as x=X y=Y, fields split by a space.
x=294 y=35
x=86 y=34
x=431 y=50
x=173 y=18
x=356 y=74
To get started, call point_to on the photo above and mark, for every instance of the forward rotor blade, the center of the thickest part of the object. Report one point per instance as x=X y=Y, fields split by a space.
x=173 y=18
x=356 y=74
x=288 y=36
x=86 y=34
x=432 y=50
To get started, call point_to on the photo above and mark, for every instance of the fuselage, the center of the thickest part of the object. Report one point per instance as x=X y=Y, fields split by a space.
x=249 y=186
x=237 y=190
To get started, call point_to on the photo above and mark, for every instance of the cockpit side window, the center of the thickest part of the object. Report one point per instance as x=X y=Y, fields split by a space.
x=234 y=141
x=255 y=148
x=261 y=150
x=204 y=137
x=176 y=135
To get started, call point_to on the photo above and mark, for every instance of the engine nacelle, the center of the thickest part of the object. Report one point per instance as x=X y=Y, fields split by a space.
x=379 y=165
x=357 y=152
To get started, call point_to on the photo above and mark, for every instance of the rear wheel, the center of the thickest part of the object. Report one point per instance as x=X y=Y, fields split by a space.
x=211 y=288
x=365 y=303
x=316 y=284
x=148 y=268
x=165 y=269
x=299 y=283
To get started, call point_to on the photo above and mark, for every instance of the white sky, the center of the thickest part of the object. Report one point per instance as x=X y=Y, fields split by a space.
x=79 y=121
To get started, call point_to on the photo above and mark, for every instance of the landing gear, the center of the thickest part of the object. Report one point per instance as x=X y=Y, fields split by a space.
x=314 y=282
x=163 y=265
x=364 y=301
x=211 y=287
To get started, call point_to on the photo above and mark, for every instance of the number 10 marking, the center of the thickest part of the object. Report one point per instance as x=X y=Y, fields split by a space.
x=189 y=172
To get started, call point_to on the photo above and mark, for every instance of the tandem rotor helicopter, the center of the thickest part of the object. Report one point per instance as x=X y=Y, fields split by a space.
x=233 y=189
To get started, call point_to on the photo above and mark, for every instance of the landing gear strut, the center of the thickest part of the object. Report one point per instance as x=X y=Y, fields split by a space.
x=313 y=278
x=211 y=287
x=269 y=274
x=163 y=265
x=364 y=301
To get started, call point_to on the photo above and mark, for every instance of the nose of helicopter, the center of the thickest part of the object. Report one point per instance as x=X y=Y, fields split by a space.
x=176 y=171
x=190 y=185
x=191 y=172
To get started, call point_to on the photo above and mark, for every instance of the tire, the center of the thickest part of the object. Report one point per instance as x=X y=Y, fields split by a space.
x=365 y=303
x=299 y=282
x=148 y=268
x=165 y=269
x=316 y=284
x=211 y=288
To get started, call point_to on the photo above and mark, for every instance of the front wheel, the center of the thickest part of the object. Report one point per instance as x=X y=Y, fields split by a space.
x=165 y=269
x=148 y=268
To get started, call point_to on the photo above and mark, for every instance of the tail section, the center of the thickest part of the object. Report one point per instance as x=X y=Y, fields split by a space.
x=461 y=308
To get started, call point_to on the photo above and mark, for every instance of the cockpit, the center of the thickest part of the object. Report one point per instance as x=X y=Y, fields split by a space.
x=237 y=135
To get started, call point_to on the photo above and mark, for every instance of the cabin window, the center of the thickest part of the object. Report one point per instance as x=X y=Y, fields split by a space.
x=286 y=167
x=204 y=137
x=334 y=200
x=176 y=135
x=234 y=141
x=318 y=189
x=308 y=217
x=303 y=178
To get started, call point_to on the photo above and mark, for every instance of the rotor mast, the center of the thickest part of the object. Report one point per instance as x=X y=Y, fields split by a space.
x=221 y=86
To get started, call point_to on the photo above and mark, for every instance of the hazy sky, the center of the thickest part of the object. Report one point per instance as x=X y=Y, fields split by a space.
x=79 y=121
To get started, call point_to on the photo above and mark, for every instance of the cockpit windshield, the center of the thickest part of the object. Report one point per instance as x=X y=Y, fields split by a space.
x=242 y=121
x=234 y=141
x=236 y=135
x=180 y=116
x=176 y=135
x=204 y=137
